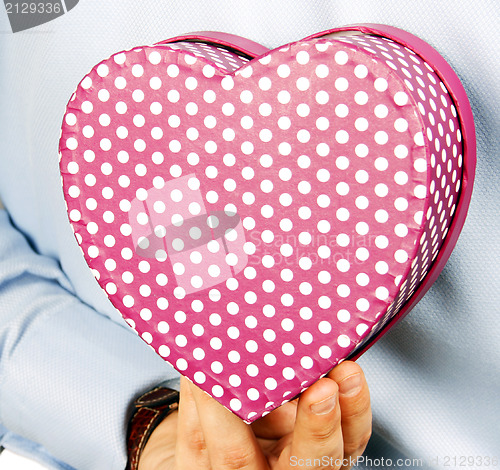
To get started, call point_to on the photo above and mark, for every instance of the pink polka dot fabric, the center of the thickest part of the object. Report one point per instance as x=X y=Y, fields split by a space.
x=259 y=221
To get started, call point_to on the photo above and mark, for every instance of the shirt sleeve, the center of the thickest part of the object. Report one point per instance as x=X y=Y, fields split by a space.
x=68 y=374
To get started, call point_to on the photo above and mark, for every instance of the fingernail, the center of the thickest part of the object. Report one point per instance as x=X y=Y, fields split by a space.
x=324 y=406
x=351 y=385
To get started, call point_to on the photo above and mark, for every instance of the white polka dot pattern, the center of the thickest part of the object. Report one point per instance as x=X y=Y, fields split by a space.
x=220 y=56
x=444 y=166
x=256 y=221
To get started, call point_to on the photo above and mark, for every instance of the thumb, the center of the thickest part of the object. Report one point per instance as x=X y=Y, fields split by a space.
x=317 y=438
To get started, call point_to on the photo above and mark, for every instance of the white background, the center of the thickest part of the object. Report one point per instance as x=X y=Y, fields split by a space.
x=11 y=461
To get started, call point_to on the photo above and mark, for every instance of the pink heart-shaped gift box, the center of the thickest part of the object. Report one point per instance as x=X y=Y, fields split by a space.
x=259 y=216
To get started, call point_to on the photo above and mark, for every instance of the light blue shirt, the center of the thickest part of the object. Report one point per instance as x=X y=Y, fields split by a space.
x=69 y=365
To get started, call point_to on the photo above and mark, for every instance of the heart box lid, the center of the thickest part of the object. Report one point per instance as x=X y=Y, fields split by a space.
x=259 y=216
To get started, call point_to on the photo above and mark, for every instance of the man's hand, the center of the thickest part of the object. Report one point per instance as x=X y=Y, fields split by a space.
x=329 y=422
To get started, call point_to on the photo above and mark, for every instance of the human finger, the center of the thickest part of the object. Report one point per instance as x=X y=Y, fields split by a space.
x=191 y=448
x=317 y=437
x=356 y=415
x=278 y=423
x=231 y=443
